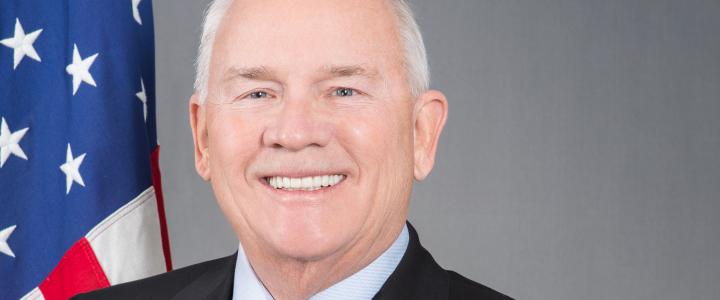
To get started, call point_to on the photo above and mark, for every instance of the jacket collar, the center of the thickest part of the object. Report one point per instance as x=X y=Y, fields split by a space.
x=214 y=284
x=417 y=276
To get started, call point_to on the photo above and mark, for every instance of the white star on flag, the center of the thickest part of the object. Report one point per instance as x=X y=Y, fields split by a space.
x=80 y=69
x=143 y=98
x=136 y=11
x=4 y=236
x=71 y=168
x=9 y=142
x=22 y=44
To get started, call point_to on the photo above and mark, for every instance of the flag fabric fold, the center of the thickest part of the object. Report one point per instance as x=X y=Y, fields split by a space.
x=80 y=199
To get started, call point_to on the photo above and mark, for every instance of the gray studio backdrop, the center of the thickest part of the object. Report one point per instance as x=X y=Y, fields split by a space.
x=581 y=158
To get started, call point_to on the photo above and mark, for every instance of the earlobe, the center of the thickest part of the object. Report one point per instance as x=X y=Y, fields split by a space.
x=431 y=114
x=200 y=138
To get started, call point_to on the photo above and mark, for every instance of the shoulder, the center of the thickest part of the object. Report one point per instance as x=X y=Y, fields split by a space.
x=464 y=288
x=163 y=286
x=419 y=276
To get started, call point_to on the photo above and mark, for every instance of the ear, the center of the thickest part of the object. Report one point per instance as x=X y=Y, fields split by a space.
x=200 y=137
x=430 y=114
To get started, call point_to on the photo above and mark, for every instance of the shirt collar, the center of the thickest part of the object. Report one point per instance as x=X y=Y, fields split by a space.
x=362 y=285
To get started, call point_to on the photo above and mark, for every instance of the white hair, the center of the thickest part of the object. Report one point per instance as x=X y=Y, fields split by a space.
x=415 y=56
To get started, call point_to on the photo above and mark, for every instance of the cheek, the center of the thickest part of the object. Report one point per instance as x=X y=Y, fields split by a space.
x=381 y=144
x=233 y=140
x=379 y=140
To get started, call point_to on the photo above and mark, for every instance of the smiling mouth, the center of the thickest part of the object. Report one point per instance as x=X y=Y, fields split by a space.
x=310 y=183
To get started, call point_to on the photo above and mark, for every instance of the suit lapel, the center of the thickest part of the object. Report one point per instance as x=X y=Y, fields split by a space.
x=417 y=276
x=214 y=284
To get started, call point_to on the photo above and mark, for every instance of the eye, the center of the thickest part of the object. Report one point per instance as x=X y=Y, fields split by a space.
x=257 y=95
x=344 y=92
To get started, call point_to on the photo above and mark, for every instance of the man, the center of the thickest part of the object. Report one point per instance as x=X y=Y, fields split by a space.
x=310 y=120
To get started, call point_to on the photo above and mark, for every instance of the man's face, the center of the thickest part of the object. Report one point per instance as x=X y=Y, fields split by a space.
x=307 y=134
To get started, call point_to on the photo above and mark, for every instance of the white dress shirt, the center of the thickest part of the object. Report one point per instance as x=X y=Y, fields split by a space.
x=362 y=285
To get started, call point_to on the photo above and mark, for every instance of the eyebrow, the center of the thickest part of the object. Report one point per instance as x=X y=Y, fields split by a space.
x=254 y=73
x=349 y=71
x=264 y=73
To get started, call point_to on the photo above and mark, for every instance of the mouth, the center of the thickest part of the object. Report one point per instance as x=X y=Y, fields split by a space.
x=307 y=183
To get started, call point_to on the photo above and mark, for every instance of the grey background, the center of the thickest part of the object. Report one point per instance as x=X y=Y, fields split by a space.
x=580 y=159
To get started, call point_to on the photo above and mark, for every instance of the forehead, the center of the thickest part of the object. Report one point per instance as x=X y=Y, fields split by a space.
x=306 y=35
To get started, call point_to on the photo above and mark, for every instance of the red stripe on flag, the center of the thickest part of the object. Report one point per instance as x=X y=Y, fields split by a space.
x=157 y=184
x=77 y=272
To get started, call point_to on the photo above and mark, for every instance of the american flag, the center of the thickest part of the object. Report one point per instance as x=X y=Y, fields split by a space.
x=80 y=201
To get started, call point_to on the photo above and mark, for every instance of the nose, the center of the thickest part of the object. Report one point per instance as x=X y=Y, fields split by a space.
x=298 y=125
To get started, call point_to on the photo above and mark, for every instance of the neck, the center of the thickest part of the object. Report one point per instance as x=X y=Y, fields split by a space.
x=289 y=278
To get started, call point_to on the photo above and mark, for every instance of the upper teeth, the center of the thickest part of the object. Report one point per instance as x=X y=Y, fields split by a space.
x=305 y=183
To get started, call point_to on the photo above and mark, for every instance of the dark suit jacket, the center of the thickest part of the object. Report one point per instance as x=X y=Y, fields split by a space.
x=417 y=276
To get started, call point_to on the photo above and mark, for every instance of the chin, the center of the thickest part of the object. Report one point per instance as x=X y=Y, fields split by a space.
x=309 y=242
